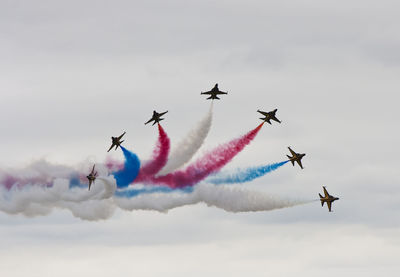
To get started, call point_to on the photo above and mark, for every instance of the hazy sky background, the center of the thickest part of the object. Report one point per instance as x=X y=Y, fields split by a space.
x=74 y=73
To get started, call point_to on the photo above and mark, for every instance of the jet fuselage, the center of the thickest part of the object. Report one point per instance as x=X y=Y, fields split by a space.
x=214 y=92
x=327 y=198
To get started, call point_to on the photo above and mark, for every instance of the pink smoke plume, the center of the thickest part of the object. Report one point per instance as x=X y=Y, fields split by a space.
x=209 y=163
x=9 y=181
x=159 y=159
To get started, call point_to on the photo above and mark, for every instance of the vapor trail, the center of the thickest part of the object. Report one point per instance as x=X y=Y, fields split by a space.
x=243 y=175
x=159 y=159
x=38 y=200
x=129 y=172
x=208 y=164
x=227 y=198
x=39 y=172
x=183 y=151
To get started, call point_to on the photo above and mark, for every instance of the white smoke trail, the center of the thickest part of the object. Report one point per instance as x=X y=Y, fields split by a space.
x=37 y=200
x=41 y=170
x=101 y=202
x=43 y=187
x=182 y=152
x=224 y=197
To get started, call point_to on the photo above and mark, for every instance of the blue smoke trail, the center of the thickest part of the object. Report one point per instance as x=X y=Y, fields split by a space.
x=135 y=192
x=130 y=171
x=243 y=175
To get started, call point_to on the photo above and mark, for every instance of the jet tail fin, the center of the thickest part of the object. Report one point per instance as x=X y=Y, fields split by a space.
x=322 y=201
x=290 y=159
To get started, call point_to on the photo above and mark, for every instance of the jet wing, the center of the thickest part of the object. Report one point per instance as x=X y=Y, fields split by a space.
x=161 y=114
x=263 y=113
x=326 y=192
x=329 y=205
x=207 y=92
x=221 y=92
x=277 y=120
x=93 y=169
x=299 y=162
x=111 y=147
x=150 y=120
x=120 y=137
x=292 y=152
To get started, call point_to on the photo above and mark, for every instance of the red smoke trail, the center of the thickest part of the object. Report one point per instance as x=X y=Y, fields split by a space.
x=209 y=163
x=159 y=159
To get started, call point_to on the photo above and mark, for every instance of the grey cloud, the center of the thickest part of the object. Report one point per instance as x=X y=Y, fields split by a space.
x=75 y=73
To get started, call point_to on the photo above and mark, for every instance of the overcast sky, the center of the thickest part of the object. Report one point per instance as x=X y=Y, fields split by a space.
x=74 y=73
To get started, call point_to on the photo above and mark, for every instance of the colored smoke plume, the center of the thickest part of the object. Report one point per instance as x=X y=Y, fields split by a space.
x=130 y=171
x=159 y=159
x=208 y=164
x=243 y=175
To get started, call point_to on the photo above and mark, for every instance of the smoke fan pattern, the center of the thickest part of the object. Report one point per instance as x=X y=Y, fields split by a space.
x=157 y=184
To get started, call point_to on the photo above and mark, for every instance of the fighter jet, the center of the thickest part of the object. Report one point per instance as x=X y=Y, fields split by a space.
x=269 y=116
x=214 y=92
x=327 y=198
x=296 y=157
x=156 y=117
x=92 y=176
x=116 y=141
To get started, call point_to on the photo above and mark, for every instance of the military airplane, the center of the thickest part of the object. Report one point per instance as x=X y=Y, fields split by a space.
x=327 y=198
x=269 y=116
x=92 y=176
x=296 y=157
x=214 y=92
x=156 y=117
x=116 y=141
